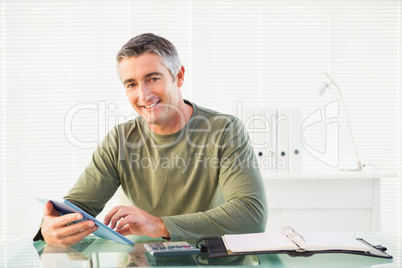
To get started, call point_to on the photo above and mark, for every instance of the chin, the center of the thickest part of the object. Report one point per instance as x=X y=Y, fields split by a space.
x=149 y=120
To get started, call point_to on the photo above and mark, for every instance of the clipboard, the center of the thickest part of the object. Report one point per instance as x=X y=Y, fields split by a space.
x=65 y=207
x=224 y=246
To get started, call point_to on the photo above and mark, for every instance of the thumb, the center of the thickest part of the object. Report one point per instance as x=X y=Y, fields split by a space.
x=49 y=210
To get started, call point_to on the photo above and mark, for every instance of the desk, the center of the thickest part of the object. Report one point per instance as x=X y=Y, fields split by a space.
x=94 y=252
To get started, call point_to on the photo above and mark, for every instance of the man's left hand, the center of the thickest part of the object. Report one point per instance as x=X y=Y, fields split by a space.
x=130 y=220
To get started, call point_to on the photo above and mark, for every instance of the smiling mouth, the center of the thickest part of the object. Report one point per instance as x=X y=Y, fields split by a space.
x=152 y=105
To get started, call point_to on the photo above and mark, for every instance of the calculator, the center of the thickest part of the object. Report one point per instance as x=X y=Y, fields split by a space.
x=163 y=249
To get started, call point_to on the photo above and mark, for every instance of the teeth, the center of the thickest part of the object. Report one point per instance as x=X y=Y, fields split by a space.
x=149 y=106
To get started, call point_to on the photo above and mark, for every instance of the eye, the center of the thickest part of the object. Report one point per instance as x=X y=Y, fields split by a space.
x=153 y=79
x=131 y=85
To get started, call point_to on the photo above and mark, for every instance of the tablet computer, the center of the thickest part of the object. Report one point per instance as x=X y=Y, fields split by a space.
x=65 y=207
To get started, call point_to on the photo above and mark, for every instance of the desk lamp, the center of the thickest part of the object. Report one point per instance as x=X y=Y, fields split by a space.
x=322 y=93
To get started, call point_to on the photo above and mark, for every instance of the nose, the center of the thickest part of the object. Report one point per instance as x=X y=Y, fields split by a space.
x=145 y=93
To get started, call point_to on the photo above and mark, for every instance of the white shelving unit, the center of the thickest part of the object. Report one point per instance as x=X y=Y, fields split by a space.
x=344 y=201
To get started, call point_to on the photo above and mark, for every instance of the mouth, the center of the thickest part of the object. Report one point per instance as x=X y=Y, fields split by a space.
x=151 y=105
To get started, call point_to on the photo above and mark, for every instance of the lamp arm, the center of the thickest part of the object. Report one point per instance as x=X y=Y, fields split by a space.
x=359 y=164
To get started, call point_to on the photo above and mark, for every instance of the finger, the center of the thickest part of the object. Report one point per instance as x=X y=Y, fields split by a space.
x=76 y=237
x=113 y=221
x=77 y=228
x=67 y=219
x=72 y=230
x=125 y=231
x=127 y=220
x=121 y=218
x=49 y=210
x=118 y=213
x=68 y=235
x=109 y=215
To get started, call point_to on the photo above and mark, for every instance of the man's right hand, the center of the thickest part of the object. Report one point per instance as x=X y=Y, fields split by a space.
x=61 y=230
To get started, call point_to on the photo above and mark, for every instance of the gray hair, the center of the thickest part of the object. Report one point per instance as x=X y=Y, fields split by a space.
x=151 y=43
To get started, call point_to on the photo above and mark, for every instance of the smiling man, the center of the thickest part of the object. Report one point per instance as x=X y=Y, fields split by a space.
x=188 y=171
x=154 y=93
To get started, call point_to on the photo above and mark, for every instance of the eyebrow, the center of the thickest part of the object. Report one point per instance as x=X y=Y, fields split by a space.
x=153 y=74
x=129 y=80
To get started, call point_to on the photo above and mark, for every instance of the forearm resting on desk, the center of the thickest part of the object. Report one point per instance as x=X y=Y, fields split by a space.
x=236 y=216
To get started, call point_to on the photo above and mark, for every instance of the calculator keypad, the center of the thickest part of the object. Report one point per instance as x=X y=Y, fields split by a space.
x=170 y=248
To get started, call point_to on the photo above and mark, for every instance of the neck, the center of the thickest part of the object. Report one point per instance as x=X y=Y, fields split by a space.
x=175 y=124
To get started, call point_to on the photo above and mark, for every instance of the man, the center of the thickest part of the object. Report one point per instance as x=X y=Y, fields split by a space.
x=188 y=171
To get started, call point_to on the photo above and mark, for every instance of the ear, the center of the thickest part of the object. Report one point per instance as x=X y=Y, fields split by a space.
x=180 y=77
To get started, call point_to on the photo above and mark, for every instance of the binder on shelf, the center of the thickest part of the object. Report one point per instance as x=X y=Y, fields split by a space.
x=282 y=140
x=295 y=141
x=276 y=136
x=266 y=140
x=290 y=242
x=261 y=128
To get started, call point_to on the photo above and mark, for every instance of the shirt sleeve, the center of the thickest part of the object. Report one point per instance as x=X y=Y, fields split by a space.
x=241 y=184
x=100 y=180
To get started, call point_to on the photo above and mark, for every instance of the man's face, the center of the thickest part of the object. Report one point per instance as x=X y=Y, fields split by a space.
x=151 y=89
